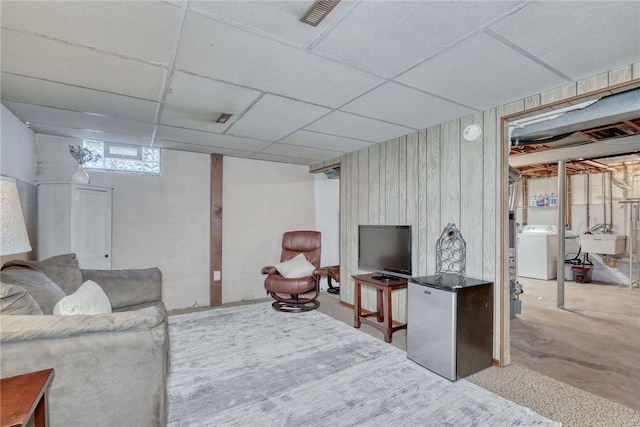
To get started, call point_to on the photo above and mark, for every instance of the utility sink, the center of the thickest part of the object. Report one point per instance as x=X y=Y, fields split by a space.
x=606 y=244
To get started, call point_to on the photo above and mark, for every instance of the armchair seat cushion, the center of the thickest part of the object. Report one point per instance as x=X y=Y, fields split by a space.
x=282 y=285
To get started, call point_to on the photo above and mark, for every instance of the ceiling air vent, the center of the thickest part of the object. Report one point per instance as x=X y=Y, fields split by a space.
x=318 y=11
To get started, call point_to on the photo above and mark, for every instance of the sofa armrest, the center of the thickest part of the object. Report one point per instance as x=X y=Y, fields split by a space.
x=110 y=369
x=128 y=287
x=19 y=328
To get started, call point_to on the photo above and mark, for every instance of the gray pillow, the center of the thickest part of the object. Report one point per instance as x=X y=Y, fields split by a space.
x=40 y=287
x=16 y=300
x=64 y=270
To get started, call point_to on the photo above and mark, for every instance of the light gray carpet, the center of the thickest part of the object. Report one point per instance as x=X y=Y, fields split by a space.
x=251 y=365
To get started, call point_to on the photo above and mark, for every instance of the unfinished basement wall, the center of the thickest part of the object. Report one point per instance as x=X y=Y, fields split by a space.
x=158 y=221
x=598 y=203
x=261 y=200
x=432 y=177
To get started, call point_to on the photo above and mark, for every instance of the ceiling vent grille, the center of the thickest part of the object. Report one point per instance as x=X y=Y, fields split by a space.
x=318 y=11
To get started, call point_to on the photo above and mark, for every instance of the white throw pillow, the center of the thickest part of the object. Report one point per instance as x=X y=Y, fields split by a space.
x=297 y=266
x=88 y=299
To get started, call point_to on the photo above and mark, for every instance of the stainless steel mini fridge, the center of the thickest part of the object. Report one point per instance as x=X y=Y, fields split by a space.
x=450 y=325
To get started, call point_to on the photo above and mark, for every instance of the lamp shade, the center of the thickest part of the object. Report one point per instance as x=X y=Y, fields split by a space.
x=13 y=231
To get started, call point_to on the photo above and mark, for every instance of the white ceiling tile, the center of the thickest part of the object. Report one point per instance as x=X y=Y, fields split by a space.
x=279 y=19
x=73 y=119
x=86 y=134
x=196 y=102
x=579 y=38
x=185 y=146
x=396 y=103
x=281 y=159
x=145 y=30
x=61 y=62
x=352 y=126
x=274 y=117
x=241 y=57
x=326 y=142
x=299 y=152
x=29 y=90
x=211 y=139
x=481 y=73
x=389 y=36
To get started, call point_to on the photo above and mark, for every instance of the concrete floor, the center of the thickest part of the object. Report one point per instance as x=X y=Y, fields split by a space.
x=593 y=344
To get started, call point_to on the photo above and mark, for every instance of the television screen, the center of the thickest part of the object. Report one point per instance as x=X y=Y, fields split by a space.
x=385 y=248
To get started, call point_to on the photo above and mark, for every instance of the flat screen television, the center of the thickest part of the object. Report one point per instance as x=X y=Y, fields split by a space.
x=385 y=249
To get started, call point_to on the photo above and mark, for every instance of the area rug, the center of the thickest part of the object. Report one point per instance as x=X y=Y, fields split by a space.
x=252 y=366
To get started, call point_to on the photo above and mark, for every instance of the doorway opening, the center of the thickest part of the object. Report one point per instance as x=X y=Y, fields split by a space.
x=575 y=208
x=327 y=200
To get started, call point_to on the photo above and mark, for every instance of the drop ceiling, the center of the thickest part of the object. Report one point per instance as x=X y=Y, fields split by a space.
x=161 y=73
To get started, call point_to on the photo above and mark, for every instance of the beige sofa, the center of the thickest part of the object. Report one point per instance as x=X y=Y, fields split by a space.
x=110 y=369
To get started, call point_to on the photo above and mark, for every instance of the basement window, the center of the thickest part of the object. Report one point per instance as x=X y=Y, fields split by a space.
x=123 y=158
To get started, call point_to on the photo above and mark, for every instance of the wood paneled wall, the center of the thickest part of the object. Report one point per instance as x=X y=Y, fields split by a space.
x=432 y=177
x=426 y=179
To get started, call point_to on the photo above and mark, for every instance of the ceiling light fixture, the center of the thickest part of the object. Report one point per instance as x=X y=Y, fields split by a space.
x=224 y=117
x=318 y=11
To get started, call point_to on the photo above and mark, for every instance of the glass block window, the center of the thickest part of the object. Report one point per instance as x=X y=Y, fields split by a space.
x=123 y=158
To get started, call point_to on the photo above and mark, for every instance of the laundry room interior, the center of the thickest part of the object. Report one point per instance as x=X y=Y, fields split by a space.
x=574 y=238
x=601 y=221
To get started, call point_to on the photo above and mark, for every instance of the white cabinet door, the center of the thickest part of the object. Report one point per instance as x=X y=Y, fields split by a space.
x=91 y=235
x=75 y=218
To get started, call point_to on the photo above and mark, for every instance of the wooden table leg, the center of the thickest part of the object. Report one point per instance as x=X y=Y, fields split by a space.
x=388 y=318
x=380 y=306
x=358 y=310
x=40 y=413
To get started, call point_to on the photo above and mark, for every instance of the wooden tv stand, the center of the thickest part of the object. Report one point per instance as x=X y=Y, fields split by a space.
x=383 y=302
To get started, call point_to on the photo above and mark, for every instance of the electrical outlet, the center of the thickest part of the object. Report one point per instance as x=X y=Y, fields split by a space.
x=216 y=275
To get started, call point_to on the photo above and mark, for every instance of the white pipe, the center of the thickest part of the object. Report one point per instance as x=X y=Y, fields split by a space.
x=604 y=201
x=588 y=203
x=562 y=212
x=610 y=200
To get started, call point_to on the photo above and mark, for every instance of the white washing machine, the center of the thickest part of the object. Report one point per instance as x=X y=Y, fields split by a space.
x=538 y=252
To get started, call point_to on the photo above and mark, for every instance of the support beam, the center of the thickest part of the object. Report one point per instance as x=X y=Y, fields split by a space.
x=562 y=212
x=215 y=251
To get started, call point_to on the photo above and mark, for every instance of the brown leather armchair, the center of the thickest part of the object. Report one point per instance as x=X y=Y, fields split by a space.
x=294 y=243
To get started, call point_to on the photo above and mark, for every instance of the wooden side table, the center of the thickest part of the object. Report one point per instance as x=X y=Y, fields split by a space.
x=24 y=396
x=383 y=302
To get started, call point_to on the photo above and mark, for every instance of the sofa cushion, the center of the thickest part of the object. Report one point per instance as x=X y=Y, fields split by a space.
x=16 y=300
x=40 y=287
x=296 y=267
x=88 y=299
x=64 y=270
x=129 y=287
